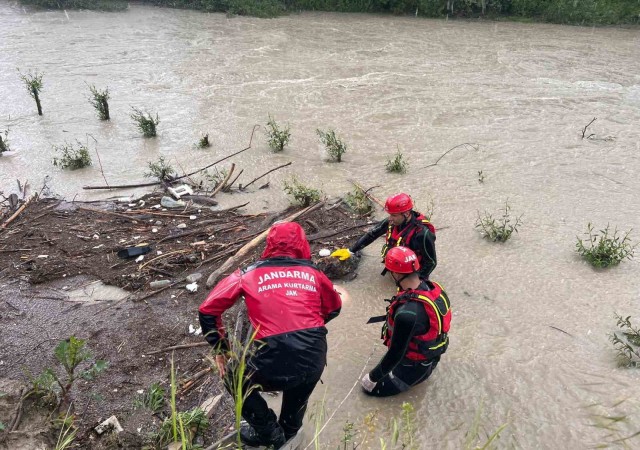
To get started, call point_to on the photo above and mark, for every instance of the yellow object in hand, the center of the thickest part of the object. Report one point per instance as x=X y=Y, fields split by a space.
x=342 y=254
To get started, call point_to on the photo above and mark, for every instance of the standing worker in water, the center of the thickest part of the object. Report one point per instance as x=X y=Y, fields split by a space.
x=404 y=227
x=289 y=301
x=415 y=331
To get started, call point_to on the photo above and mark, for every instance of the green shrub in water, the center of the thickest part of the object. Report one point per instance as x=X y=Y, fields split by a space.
x=72 y=158
x=100 y=101
x=301 y=194
x=498 y=229
x=160 y=170
x=358 y=202
x=334 y=145
x=397 y=164
x=626 y=342
x=604 y=248
x=4 y=142
x=145 y=122
x=33 y=83
x=277 y=137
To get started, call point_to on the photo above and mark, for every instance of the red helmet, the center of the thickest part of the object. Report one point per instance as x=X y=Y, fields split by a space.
x=401 y=260
x=398 y=203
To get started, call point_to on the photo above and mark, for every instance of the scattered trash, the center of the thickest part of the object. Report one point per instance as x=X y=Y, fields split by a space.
x=98 y=246
x=182 y=225
x=168 y=202
x=139 y=258
x=324 y=252
x=159 y=284
x=194 y=277
x=195 y=331
x=140 y=391
x=179 y=191
x=193 y=217
x=159 y=252
x=96 y=236
x=193 y=287
x=43 y=256
x=110 y=424
x=133 y=252
x=154 y=230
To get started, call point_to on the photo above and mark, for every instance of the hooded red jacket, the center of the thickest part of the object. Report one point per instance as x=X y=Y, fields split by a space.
x=288 y=300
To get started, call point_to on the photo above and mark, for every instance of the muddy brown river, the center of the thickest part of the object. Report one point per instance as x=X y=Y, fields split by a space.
x=529 y=342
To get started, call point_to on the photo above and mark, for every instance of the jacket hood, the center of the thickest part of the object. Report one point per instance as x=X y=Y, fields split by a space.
x=287 y=239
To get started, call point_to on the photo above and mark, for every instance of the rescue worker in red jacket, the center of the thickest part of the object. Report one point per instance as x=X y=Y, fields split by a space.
x=289 y=301
x=404 y=227
x=415 y=330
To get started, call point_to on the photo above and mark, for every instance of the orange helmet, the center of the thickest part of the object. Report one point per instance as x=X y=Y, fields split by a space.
x=401 y=260
x=398 y=203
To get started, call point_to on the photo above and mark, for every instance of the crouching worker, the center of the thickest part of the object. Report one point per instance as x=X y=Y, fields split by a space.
x=289 y=301
x=415 y=329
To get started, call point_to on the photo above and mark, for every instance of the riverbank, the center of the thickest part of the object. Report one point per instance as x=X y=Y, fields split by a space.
x=570 y=12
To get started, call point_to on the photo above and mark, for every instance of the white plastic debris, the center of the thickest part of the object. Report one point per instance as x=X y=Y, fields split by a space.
x=98 y=246
x=193 y=217
x=195 y=331
x=324 y=252
x=179 y=191
x=110 y=424
x=139 y=258
x=140 y=391
x=193 y=287
x=159 y=252
x=43 y=256
x=96 y=236
x=182 y=225
x=154 y=230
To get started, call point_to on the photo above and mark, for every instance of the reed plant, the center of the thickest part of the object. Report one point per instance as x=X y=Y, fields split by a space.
x=626 y=341
x=152 y=399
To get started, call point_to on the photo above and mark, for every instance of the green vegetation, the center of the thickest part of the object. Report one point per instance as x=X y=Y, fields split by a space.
x=67 y=433
x=4 y=142
x=145 y=123
x=397 y=164
x=100 y=5
x=605 y=249
x=301 y=194
x=256 y=8
x=473 y=440
x=204 y=141
x=33 y=83
x=100 y=101
x=626 y=342
x=72 y=158
x=153 y=399
x=358 y=202
x=335 y=147
x=498 y=229
x=278 y=137
x=160 y=170
x=55 y=388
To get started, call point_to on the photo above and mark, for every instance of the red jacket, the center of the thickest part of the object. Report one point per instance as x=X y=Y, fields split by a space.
x=288 y=298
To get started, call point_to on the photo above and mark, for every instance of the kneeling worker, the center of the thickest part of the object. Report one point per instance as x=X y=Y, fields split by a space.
x=404 y=227
x=415 y=329
x=289 y=301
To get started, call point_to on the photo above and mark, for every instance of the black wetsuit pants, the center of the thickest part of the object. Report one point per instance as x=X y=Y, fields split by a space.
x=405 y=375
x=295 y=395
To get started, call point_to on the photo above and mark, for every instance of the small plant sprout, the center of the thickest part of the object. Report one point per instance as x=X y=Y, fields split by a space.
x=480 y=176
x=100 y=101
x=348 y=434
x=358 y=201
x=605 y=248
x=160 y=170
x=301 y=194
x=278 y=137
x=71 y=354
x=145 y=122
x=498 y=229
x=152 y=399
x=67 y=433
x=4 y=142
x=33 y=83
x=204 y=141
x=397 y=164
x=334 y=145
x=72 y=157
x=626 y=342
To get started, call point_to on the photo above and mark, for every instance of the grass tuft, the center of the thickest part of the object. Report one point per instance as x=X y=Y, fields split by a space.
x=498 y=229
x=72 y=158
x=397 y=164
x=605 y=248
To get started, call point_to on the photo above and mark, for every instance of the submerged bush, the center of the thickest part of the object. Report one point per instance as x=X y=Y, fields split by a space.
x=4 y=142
x=100 y=5
x=100 y=101
x=498 y=229
x=33 y=83
x=626 y=342
x=160 y=170
x=301 y=194
x=277 y=137
x=204 y=141
x=397 y=164
x=603 y=248
x=358 y=202
x=72 y=158
x=334 y=145
x=145 y=122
